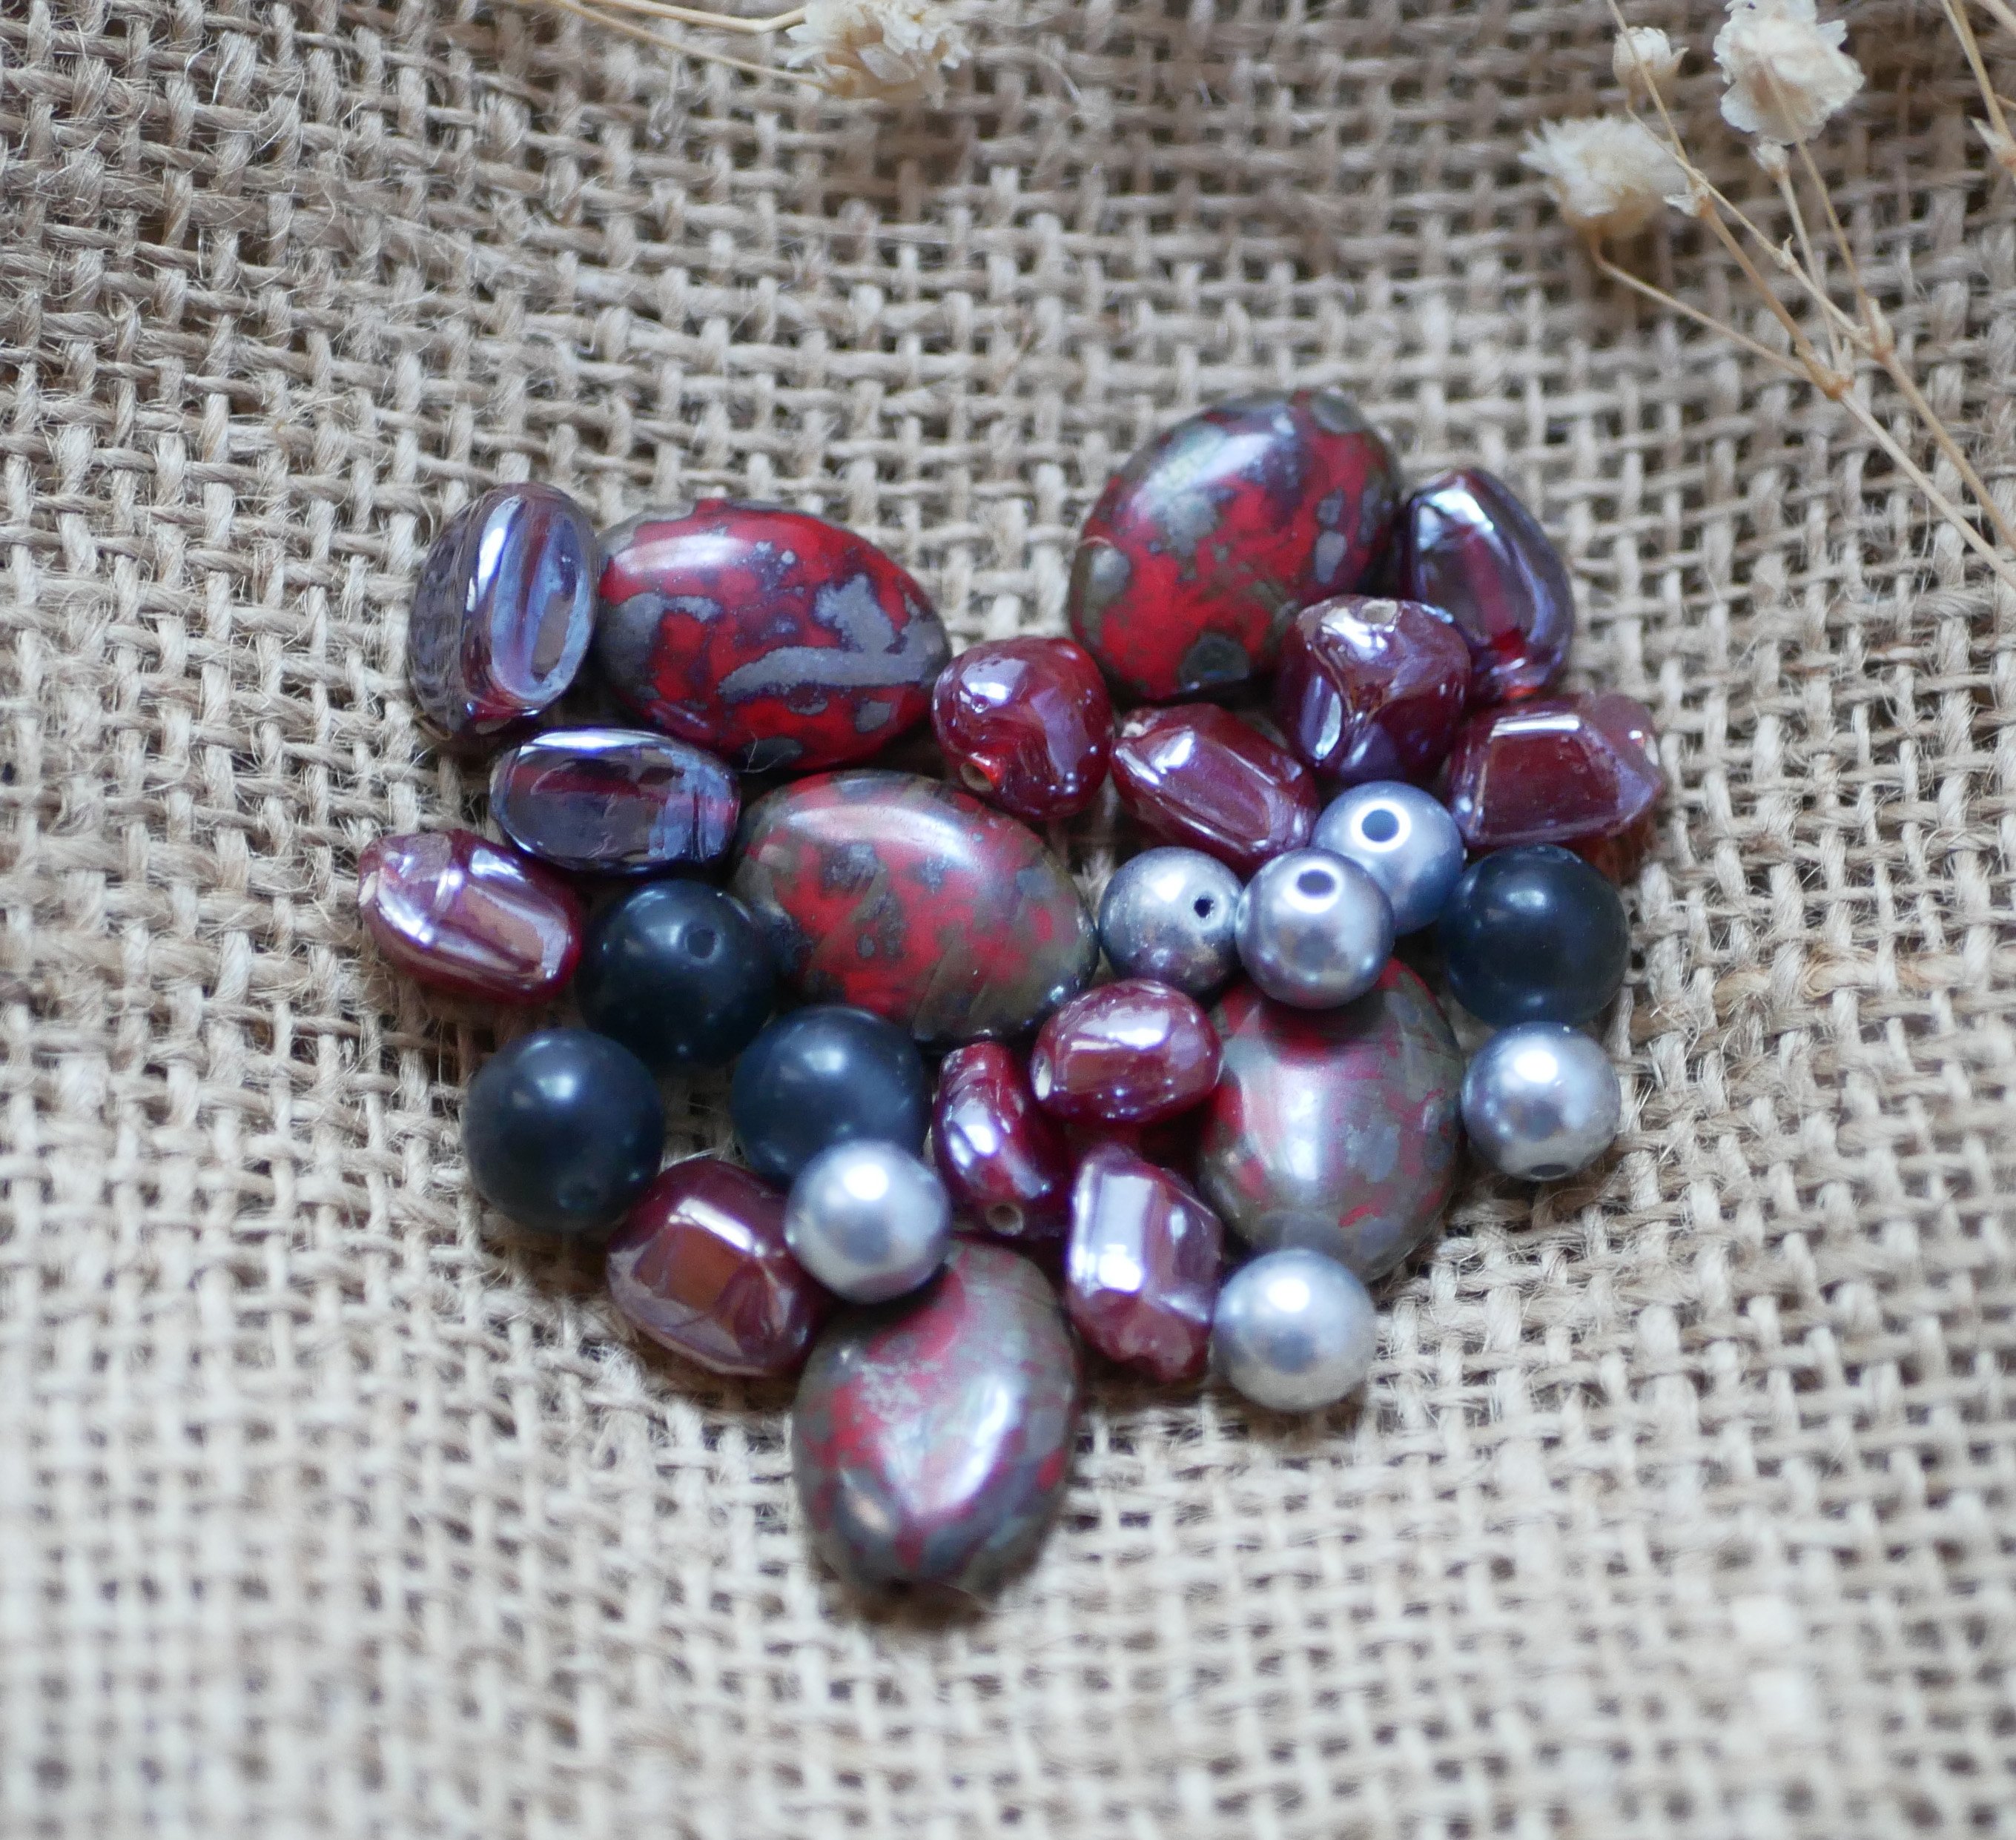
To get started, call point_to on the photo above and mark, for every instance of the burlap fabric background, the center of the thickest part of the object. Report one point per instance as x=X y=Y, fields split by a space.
x=1682 y=1501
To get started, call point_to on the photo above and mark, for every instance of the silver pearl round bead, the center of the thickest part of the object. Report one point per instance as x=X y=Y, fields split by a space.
x=1315 y=929
x=1541 y=1101
x=1294 y=1330
x=868 y=1220
x=1404 y=839
x=1170 y=914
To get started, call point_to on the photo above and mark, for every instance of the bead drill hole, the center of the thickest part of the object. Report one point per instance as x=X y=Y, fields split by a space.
x=974 y=777
x=1202 y=906
x=1379 y=826
x=1005 y=1217
x=1313 y=881
x=700 y=940
x=1550 y=1171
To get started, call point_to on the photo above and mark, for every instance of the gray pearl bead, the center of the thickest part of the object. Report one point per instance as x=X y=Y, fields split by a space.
x=1315 y=929
x=1541 y=1101
x=868 y=1220
x=1169 y=914
x=1403 y=838
x=1294 y=1330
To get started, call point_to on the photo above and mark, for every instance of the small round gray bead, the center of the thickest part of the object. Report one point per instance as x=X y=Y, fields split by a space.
x=868 y=1220
x=1541 y=1101
x=1169 y=914
x=1315 y=929
x=1403 y=839
x=1294 y=1330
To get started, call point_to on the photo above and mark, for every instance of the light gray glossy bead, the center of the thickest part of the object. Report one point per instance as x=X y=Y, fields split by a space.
x=1169 y=914
x=868 y=1220
x=1541 y=1101
x=1403 y=838
x=1315 y=929
x=1294 y=1330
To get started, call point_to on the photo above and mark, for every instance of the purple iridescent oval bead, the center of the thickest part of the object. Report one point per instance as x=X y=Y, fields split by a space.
x=931 y=1436
x=503 y=610
x=614 y=801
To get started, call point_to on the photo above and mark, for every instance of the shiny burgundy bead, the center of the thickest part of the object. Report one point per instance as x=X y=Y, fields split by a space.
x=1025 y=723
x=1554 y=770
x=461 y=914
x=700 y=1266
x=1132 y=1052
x=1141 y=1268
x=1197 y=775
x=1169 y=1144
x=614 y=801
x=1005 y=1165
x=1372 y=690
x=1468 y=546
x=770 y=637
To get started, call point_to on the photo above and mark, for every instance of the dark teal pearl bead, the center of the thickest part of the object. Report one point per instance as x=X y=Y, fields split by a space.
x=1534 y=935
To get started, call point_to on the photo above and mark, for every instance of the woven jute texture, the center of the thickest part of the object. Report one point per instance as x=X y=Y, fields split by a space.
x=1683 y=1499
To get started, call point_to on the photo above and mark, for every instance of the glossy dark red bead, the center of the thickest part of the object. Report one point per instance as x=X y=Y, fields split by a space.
x=1207 y=541
x=1131 y=1051
x=1169 y=1144
x=1006 y=1167
x=1372 y=690
x=1197 y=775
x=770 y=637
x=1142 y=1265
x=614 y=801
x=1554 y=770
x=454 y=911
x=1025 y=723
x=1469 y=546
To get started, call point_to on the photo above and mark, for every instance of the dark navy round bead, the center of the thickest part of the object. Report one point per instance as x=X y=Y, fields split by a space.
x=1534 y=935
x=822 y=1076
x=679 y=973
x=562 y=1130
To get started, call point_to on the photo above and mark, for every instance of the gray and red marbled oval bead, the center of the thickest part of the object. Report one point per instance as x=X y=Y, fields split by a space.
x=1198 y=775
x=614 y=801
x=1571 y=770
x=1006 y=1167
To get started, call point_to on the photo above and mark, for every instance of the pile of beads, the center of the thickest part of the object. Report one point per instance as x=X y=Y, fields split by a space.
x=931 y=1251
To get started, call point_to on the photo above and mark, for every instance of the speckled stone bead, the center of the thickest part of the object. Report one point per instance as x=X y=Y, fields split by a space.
x=1025 y=723
x=1197 y=775
x=1554 y=770
x=1006 y=1166
x=1132 y=1052
x=614 y=801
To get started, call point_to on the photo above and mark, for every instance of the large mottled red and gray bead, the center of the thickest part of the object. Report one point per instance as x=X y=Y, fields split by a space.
x=1336 y=1129
x=908 y=897
x=1207 y=542
x=614 y=801
x=932 y=1436
x=769 y=636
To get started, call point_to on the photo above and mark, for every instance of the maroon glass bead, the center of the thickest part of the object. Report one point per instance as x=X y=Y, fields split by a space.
x=1553 y=770
x=1372 y=690
x=614 y=801
x=1132 y=1052
x=1468 y=546
x=1197 y=775
x=699 y=1265
x=454 y=911
x=1005 y=1165
x=1026 y=724
x=1142 y=1265
x=1169 y=1144
x=503 y=610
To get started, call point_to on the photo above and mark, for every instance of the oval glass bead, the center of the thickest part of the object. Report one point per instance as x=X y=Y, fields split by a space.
x=1554 y=770
x=1132 y=1052
x=1026 y=724
x=1005 y=1165
x=1198 y=775
x=614 y=801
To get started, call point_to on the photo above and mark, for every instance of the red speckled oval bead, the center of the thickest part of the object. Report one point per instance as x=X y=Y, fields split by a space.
x=1555 y=770
x=1197 y=775
x=770 y=637
x=1372 y=690
x=1468 y=546
x=1132 y=1052
x=932 y=1436
x=700 y=1266
x=1006 y=1166
x=455 y=912
x=1141 y=1268
x=614 y=801
x=1025 y=723
x=1214 y=535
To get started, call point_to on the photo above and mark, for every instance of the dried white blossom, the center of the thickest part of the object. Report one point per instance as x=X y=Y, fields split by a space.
x=894 y=49
x=1645 y=60
x=1786 y=71
x=1608 y=173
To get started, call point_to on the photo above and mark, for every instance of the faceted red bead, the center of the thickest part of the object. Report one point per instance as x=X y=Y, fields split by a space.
x=614 y=801
x=1553 y=770
x=700 y=1266
x=1142 y=1265
x=1133 y=1052
x=1197 y=775
x=1621 y=857
x=1372 y=690
x=1169 y=1144
x=1005 y=1165
x=1025 y=722
x=463 y=915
